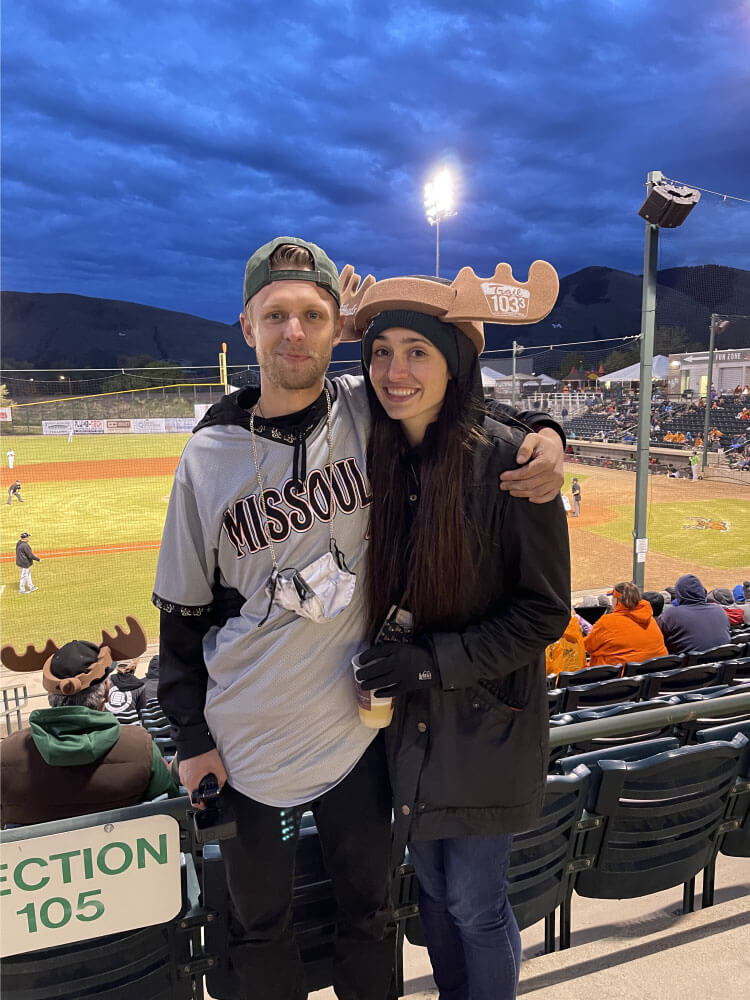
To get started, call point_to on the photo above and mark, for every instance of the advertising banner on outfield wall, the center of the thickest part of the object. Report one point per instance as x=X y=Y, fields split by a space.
x=179 y=425
x=149 y=425
x=119 y=427
x=57 y=426
x=88 y=426
x=5 y=414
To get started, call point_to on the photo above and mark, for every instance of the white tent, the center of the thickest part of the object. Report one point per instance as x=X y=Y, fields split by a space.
x=542 y=380
x=490 y=376
x=633 y=372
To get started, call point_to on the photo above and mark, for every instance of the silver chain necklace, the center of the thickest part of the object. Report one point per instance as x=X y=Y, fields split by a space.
x=260 y=478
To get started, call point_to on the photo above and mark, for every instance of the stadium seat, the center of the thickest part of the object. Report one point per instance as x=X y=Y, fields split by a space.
x=638 y=735
x=655 y=663
x=555 y=700
x=701 y=675
x=622 y=751
x=602 y=693
x=662 y=820
x=729 y=651
x=603 y=672
x=739 y=669
x=160 y=962
x=736 y=840
x=543 y=860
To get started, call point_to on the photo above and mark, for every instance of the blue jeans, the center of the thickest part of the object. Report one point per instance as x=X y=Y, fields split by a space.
x=472 y=935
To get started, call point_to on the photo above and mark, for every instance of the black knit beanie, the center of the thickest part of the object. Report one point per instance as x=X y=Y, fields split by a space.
x=442 y=335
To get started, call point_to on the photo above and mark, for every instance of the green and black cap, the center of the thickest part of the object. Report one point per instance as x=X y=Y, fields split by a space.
x=258 y=271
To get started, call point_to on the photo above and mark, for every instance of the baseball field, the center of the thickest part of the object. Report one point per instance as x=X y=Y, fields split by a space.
x=95 y=507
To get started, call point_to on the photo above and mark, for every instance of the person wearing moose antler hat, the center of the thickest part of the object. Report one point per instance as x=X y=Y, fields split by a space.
x=270 y=502
x=75 y=758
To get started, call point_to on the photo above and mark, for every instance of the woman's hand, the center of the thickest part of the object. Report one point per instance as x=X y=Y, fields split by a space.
x=397 y=667
x=541 y=475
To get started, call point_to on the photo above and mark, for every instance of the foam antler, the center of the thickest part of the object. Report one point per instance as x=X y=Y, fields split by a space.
x=352 y=289
x=503 y=299
x=126 y=645
x=32 y=659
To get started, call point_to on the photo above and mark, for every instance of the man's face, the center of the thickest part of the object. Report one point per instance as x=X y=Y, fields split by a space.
x=293 y=328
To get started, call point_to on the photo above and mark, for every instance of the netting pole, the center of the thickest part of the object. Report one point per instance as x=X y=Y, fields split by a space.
x=648 y=322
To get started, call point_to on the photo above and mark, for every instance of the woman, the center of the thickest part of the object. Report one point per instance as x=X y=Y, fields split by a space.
x=628 y=634
x=486 y=578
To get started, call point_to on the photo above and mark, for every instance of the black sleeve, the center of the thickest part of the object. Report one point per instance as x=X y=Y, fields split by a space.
x=535 y=419
x=536 y=572
x=183 y=679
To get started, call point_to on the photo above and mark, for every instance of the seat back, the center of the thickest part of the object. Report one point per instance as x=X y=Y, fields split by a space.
x=728 y=651
x=638 y=735
x=604 y=672
x=603 y=693
x=662 y=818
x=632 y=668
x=700 y=675
x=624 y=751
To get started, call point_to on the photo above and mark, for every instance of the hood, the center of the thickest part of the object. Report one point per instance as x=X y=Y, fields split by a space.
x=73 y=735
x=641 y=614
x=292 y=428
x=153 y=669
x=689 y=590
x=126 y=682
x=721 y=595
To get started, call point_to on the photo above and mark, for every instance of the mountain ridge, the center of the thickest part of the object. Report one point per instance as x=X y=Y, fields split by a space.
x=59 y=329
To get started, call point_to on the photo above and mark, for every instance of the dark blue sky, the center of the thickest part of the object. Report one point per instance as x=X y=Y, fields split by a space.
x=150 y=147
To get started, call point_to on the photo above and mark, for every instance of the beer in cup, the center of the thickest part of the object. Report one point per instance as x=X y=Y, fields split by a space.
x=375 y=713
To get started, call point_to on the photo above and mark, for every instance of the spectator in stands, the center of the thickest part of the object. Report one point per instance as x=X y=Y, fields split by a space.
x=568 y=652
x=692 y=623
x=126 y=691
x=656 y=599
x=628 y=633
x=725 y=599
x=152 y=679
x=487 y=583
x=75 y=758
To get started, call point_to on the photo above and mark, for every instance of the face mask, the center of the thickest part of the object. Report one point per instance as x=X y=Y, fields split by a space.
x=319 y=592
x=322 y=589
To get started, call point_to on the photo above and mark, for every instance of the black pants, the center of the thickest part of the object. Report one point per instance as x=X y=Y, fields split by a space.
x=354 y=827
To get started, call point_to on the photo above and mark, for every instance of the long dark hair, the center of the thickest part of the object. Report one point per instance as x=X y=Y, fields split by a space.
x=422 y=569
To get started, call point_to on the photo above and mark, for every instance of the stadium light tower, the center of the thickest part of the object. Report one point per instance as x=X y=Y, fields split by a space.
x=666 y=207
x=439 y=203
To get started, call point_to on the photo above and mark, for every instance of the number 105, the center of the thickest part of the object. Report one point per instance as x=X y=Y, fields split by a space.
x=57 y=911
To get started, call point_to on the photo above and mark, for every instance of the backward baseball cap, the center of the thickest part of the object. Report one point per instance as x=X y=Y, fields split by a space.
x=258 y=271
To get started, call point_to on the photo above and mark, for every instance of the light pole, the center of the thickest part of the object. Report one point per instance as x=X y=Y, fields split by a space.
x=439 y=203
x=517 y=349
x=666 y=206
x=718 y=324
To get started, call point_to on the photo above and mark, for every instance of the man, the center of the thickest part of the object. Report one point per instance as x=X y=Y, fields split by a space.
x=694 y=463
x=629 y=633
x=126 y=691
x=575 y=489
x=692 y=623
x=270 y=496
x=25 y=559
x=11 y=456
x=14 y=490
x=75 y=758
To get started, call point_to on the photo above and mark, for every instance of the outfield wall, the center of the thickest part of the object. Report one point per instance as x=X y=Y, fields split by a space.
x=138 y=425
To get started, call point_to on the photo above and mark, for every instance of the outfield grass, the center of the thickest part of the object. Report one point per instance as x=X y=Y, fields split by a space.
x=33 y=448
x=89 y=512
x=78 y=596
x=717 y=549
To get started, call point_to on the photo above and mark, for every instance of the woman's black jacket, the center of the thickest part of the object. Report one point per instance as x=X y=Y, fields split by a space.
x=470 y=757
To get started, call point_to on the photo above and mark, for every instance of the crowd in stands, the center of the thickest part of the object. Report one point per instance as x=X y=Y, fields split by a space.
x=615 y=420
x=636 y=627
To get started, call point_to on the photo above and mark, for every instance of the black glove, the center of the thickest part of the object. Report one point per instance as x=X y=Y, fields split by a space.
x=396 y=667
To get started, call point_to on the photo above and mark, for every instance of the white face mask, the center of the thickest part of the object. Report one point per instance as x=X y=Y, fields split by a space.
x=319 y=592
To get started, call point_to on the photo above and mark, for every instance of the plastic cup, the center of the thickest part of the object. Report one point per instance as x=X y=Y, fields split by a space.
x=375 y=713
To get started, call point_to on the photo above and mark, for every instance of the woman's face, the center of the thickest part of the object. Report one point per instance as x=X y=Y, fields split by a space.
x=409 y=375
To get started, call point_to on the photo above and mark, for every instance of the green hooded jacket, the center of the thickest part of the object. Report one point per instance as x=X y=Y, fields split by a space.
x=72 y=735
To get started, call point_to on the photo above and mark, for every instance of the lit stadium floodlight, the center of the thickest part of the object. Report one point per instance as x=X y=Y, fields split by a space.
x=439 y=203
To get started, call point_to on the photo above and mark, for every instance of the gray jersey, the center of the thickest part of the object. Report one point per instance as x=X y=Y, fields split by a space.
x=280 y=701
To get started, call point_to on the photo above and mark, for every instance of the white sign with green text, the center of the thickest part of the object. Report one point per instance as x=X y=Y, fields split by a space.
x=85 y=883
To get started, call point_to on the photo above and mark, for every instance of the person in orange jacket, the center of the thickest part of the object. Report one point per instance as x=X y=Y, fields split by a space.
x=628 y=633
